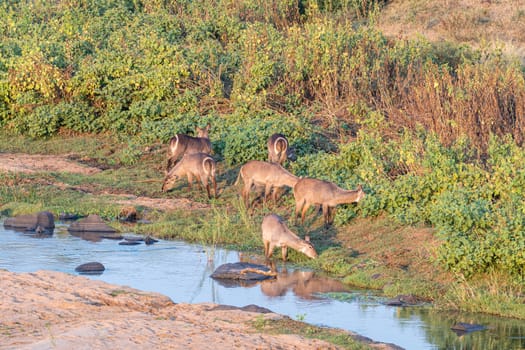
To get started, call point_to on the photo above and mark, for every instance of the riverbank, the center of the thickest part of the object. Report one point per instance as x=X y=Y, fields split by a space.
x=46 y=309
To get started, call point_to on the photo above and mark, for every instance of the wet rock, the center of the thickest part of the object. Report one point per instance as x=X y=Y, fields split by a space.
x=90 y=268
x=129 y=242
x=93 y=223
x=461 y=328
x=42 y=222
x=134 y=238
x=243 y=271
x=150 y=240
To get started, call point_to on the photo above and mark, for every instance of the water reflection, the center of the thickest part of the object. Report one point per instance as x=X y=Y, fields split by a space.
x=304 y=284
x=96 y=236
x=182 y=272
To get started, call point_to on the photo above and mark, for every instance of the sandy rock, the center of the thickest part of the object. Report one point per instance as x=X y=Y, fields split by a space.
x=61 y=311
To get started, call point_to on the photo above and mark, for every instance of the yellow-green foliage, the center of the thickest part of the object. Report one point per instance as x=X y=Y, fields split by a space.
x=433 y=132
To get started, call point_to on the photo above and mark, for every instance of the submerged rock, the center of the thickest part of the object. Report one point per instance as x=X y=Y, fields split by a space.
x=90 y=268
x=41 y=222
x=243 y=271
x=93 y=223
x=125 y=242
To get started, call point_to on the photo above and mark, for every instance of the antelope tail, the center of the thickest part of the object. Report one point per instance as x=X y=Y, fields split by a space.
x=278 y=141
x=238 y=177
x=208 y=165
x=174 y=143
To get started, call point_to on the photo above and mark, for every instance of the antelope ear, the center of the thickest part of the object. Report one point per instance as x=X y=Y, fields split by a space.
x=307 y=238
x=208 y=126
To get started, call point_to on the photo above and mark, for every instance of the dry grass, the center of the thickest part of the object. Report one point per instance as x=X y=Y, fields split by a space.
x=489 y=23
x=396 y=247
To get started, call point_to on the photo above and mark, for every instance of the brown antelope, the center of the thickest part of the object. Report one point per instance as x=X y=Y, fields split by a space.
x=257 y=173
x=199 y=165
x=275 y=233
x=327 y=194
x=182 y=144
x=278 y=149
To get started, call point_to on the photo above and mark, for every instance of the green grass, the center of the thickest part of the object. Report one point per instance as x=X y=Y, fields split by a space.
x=288 y=326
x=362 y=252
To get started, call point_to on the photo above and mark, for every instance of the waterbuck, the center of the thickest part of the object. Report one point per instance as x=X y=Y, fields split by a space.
x=199 y=165
x=257 y=173
x=182 y=144
x=278 y=149
x=309 y=191
x=275 y=233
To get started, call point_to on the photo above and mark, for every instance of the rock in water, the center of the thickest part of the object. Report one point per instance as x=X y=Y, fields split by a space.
x=90 y=268
x=43 y=221
x=243 y=271
x=93 y=223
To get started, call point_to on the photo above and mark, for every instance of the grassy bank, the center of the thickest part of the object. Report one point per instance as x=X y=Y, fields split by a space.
x=372 y=252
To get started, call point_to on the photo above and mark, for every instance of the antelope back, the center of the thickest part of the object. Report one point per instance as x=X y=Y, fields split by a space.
x=275 y=231
x=184 y=144
x=259 y=172
x=198 y=164
x=313 y=190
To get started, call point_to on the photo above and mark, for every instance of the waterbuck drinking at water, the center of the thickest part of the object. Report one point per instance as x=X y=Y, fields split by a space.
x=256 y=173
x=278 y=149
x=275 y=233
x=199 y=165
x=182 y=144
x=327 y=194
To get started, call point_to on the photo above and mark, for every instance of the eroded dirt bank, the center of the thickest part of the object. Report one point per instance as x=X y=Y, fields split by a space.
x=54 y=310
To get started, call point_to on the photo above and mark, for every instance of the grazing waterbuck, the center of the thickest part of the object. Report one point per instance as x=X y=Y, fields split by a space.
x=278 y=149
x=310 y=191
x=275 y=233
x=182 y=144
x=257 y=173
x=199 y=165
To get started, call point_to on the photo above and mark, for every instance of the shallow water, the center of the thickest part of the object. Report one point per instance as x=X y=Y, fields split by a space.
x=181 y=271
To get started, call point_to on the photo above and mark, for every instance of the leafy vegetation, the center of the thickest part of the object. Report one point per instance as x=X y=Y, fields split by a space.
x=434 y=132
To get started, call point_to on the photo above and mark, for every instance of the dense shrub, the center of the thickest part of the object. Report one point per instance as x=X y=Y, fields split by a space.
x=432 y=131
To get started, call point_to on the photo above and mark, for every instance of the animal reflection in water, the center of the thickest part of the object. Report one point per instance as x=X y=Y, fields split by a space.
x=305 y=284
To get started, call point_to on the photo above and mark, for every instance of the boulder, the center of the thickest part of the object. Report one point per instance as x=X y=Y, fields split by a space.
x=41 y=222
x=243 y=271
x=150 y=240
x=90 y=268
x=93 y=223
